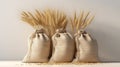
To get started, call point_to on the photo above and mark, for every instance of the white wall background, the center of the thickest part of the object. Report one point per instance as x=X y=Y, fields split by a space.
x=105 y=28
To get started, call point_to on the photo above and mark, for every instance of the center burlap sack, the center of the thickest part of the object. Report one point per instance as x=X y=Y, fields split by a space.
x=87 y=48
x=38 y=47
x=63 y=47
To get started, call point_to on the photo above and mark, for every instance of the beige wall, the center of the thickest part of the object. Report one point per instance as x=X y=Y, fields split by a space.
x=105 y=28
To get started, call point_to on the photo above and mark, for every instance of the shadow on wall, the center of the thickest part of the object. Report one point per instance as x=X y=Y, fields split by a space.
x=108 y=42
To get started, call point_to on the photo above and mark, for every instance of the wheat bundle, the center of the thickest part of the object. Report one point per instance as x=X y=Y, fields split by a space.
x=50 y=19
x=80 y=22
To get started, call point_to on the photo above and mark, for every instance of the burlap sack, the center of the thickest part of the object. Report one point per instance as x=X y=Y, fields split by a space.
x=63 y=47
x=87 y=48
x=38 y=47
